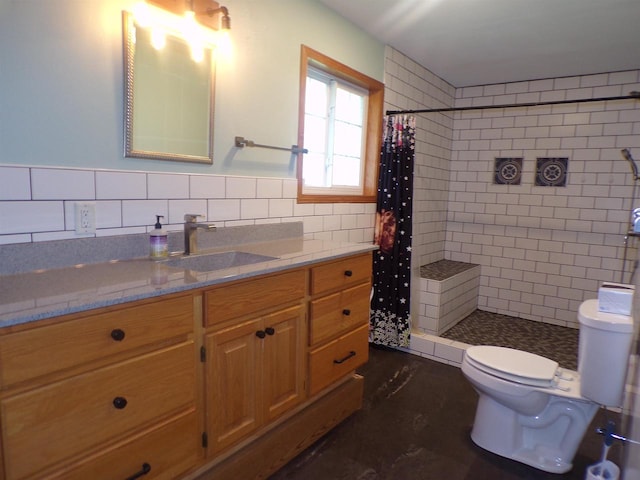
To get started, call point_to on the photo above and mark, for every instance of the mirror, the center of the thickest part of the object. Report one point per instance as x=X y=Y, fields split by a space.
x=169 y=98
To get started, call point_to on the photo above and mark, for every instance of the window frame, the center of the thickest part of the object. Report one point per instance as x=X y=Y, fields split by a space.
x=372 y=127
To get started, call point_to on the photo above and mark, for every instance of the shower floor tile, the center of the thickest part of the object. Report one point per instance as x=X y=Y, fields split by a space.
x=486 y=328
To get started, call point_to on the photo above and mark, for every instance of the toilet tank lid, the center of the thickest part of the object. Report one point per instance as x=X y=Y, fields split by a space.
x=519 y=366
x=590 y=316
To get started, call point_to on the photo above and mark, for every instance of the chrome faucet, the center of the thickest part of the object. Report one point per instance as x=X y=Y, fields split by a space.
x=191 y=225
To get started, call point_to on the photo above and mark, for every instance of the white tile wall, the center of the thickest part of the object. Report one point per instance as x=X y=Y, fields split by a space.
x=543 y=250
x=410 y=86
x=525 y=238
x=37 y=204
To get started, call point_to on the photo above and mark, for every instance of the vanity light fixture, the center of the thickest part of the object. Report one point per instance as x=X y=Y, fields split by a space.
x=193 y=22
x=225 y=19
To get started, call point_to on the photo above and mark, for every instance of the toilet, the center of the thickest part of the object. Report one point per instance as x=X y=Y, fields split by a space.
x=531 y=410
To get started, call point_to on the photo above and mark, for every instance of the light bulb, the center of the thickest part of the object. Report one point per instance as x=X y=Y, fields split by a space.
x=223 y=43
x=141 y=14
x=189 y=24
x=197 y=53
x=158 y=38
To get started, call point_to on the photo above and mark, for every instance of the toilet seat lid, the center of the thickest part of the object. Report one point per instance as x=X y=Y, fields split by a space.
x=513 y=365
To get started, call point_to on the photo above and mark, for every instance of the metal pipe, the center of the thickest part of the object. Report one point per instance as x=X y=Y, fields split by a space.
x=632 y=95
x=626 y=154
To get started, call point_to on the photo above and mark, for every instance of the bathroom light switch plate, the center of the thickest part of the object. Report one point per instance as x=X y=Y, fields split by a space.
x=85 y=213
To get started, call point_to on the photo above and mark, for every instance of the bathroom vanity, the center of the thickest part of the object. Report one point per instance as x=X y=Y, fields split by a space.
x=157 y=371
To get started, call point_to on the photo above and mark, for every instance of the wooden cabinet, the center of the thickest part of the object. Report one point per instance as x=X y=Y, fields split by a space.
x=233 y=379
x=98 y=392
x=339 y=319
x=255 y=366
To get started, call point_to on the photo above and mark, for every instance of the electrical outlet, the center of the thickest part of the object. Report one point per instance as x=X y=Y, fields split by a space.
x=85 y=217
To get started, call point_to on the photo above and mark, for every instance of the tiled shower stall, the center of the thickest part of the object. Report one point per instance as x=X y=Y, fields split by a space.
x=542 y=250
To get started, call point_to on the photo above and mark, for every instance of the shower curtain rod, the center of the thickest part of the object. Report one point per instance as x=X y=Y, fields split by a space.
x=632 y=95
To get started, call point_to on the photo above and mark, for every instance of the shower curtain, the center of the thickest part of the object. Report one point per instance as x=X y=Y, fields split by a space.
x=389 y=317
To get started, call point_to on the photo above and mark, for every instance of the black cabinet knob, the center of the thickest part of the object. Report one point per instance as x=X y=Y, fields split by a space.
x=261 y=334
x=119 y=402
x=346 y=312
x=270 y=330
x=117 y=334
x=348 y=273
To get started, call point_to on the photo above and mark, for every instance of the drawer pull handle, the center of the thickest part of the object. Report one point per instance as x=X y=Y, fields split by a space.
x=261 y=334
x=346 y=312
x=342 y=360
x=119 y=402
x=348 y=273
x=270 y=330
x=117 y=334
x=146 y=468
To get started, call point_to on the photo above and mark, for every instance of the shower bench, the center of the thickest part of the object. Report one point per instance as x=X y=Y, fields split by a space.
x=448 y=293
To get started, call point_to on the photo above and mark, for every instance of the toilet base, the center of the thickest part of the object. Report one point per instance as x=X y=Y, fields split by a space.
x=529 y=457
x=504 y=432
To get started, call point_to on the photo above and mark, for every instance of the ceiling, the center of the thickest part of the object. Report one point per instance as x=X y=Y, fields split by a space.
x=480 y=42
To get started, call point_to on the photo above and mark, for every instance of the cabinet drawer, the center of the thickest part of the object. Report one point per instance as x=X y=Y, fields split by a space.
x=39 y=351
x=337 y=358
x=252 y=296
x=340 y=274
x=61 y=420
x=335 y=314
x=169 y=451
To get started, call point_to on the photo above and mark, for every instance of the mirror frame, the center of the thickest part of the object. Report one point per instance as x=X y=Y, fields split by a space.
x=128 y=30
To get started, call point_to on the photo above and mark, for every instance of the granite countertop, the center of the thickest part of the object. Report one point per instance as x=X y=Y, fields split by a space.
x=40 y=294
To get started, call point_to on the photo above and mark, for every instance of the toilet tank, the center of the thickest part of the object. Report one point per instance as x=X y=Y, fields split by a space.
x=603 y=353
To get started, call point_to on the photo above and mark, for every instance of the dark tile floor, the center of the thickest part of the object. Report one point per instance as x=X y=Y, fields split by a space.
x=551 y=341
x=415 y=424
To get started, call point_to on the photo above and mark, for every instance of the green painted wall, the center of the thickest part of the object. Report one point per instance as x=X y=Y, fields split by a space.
x=61 y=77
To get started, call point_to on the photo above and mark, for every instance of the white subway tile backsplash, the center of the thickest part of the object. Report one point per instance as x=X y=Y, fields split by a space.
x=303 y=209
x=108 y=214
x=314 y=224
x=178 y=209
x=280 y=207
x=126 y=203
x=240 y=187
x=323 y=209
x=15 y=183
x=121 y=185
x=207 y=186
x=62 y=184
x=63 y=235
x=18 y=238
x=254 y=208
x=143 y=212
x=289 y=188
x=163 y=186
x=269 y=188
x=31 y=216
x=224 y=210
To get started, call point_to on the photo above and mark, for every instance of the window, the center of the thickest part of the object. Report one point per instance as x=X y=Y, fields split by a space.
x=340 y=125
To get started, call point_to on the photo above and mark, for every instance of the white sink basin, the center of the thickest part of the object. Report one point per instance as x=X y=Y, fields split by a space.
x=217 y=261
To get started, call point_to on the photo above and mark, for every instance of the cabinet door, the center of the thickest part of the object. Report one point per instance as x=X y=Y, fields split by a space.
x=233 y=388
x=283 y=361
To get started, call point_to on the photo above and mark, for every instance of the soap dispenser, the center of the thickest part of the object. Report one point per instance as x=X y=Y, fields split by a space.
x=158 y=244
